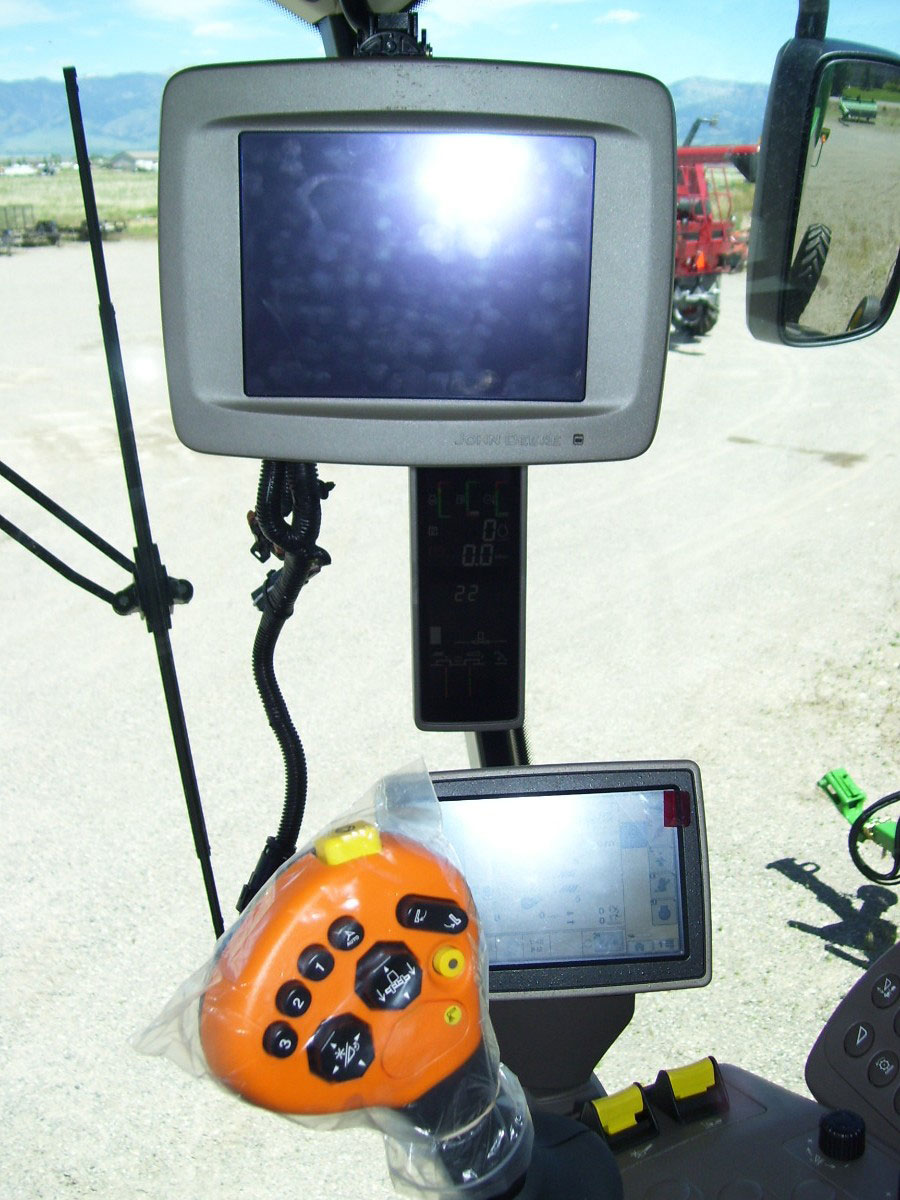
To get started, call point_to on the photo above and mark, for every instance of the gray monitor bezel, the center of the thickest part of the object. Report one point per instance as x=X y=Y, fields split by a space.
x=632 y=121
x=692 y=968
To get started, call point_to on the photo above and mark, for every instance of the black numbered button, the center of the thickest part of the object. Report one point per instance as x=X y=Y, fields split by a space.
x=292 y=998
x=315 y=963
x=886 y=991
x=345 y=933
x=341 y=1049
x=388 y=976
x=279 y=1040
x=858 y=1039
x=431 y=914
x=883 y=1068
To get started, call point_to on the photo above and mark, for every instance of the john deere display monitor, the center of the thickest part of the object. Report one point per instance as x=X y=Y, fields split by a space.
x=420 y=263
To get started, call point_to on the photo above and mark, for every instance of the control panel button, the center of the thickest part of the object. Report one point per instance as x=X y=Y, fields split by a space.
x=886 y=991
x=691 y=1092
x=622 y=1119
x=341 y=1049
x=621 y=1110
x=279 y=1040
x=858 y=1039
x=292 y=998
x=692 y=1080
x=388 y=976
x=449 y=962
x=883 y=1068
x=347 y=843
x=315 y=963
x=345 y=933
x=431 y=914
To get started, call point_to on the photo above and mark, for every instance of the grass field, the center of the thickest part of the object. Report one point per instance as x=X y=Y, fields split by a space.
x=121 y=196
x=131 y=197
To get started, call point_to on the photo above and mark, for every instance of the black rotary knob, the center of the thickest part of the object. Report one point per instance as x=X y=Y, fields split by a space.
x=842 y=1135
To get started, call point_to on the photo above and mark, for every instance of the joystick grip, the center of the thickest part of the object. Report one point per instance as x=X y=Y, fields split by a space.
x=352 y=982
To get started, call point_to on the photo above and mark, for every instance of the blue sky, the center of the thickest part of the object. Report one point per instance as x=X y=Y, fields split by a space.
x=720 y=39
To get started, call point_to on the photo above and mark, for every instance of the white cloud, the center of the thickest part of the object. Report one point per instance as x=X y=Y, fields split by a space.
x=180 y=10
x=22 y=12
x=465 y=12
x=209 y=20
x=216 y=29
x=618 y=16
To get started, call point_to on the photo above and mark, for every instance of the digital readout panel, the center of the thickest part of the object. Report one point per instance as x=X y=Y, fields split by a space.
x=468 y=598
x=412 y=265
x=556 y=879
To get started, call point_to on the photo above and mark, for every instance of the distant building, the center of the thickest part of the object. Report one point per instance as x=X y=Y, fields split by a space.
x=135 y=160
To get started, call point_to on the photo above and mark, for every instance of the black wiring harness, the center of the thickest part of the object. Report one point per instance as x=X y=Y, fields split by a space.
x=860 y=831
x=286 y=490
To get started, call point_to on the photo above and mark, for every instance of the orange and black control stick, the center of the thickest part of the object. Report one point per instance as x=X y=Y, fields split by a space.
x=353 y=983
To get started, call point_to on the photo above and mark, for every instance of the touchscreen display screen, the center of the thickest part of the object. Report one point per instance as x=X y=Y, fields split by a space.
x=571 y=878
x=444 y=265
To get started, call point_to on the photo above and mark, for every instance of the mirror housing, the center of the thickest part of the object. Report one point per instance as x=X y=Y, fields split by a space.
x=823 y=264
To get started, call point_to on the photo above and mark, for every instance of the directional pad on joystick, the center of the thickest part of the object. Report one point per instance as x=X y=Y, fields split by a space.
x=341 y=1049
x=388 y=976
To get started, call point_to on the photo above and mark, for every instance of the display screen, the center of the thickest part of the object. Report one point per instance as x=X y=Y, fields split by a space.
x=469 y=579
x=414 y=265
x=569 y=878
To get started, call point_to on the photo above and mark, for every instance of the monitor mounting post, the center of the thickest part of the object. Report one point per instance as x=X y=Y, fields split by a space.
x=360 y=32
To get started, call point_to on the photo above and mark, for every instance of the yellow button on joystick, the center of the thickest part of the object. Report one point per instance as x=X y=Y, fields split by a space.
x=449 y=962
x=347 y=842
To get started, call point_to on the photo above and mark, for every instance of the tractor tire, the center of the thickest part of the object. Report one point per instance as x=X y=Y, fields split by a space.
x=698 y=317
x=806 y=270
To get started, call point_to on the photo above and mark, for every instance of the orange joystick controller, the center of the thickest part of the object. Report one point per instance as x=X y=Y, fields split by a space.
x=353 y=982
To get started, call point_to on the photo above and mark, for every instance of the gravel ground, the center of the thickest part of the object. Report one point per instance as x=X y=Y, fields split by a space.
x=730 y=597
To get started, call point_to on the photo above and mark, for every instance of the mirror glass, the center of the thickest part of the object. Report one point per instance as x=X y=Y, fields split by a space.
x=848 y=224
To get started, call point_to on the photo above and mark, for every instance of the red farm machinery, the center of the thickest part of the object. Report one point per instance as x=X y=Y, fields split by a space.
x=708 y=239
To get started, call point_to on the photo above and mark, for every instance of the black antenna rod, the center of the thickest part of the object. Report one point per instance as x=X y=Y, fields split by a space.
x=812 y=19
x=155 y=591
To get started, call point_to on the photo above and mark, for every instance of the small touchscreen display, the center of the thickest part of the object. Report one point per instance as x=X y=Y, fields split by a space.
x=440 y=265
x=570 y=878
x=587 y=877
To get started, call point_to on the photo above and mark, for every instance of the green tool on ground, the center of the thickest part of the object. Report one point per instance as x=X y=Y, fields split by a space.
x=850 y=801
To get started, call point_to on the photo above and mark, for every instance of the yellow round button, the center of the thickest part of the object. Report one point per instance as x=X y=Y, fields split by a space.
x=453 y=1015
x=449 y=962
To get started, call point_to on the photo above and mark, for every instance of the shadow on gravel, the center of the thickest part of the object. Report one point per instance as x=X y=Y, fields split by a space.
x=685 y=343
x=860 y=926
x=835 y=458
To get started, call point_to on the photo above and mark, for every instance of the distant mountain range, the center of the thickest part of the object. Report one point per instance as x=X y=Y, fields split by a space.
x=121 y=112
x=738 y=107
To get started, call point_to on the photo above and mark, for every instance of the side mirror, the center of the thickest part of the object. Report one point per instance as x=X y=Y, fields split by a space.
x=824 y=261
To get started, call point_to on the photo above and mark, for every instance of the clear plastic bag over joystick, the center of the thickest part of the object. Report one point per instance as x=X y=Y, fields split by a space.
x=354 y=990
